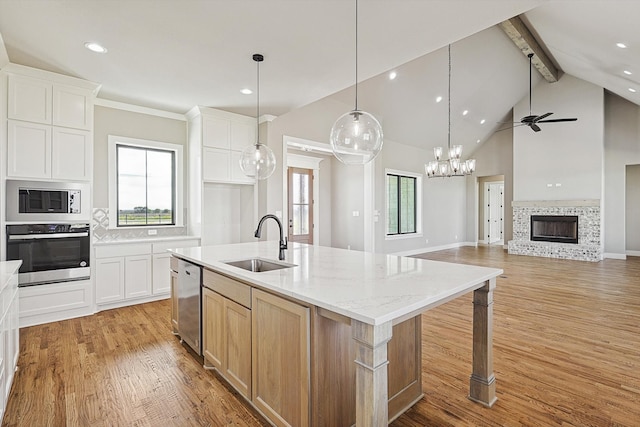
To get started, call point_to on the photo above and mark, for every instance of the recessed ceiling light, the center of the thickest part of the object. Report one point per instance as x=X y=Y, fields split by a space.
x=465 y=112
x=95 y=47
x=438 y=99
x=632 y=90
x=393 y=75
x=621 y=45
x=627 y=72
x=482 y=121
x=246 y=91
x=478 y=141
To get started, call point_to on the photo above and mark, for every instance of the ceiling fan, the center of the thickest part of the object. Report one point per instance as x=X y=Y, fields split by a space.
x=532 y=120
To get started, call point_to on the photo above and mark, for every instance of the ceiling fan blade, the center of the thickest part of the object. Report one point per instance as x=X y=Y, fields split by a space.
x=534 y=127
x=573 y=119
x=537 y=119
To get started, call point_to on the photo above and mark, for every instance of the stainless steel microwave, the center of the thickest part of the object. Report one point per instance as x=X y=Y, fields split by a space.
x=47 y=201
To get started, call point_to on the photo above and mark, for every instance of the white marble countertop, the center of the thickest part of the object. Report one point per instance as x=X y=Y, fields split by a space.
x=7 y=270
x=149 y=239
x=371 y=288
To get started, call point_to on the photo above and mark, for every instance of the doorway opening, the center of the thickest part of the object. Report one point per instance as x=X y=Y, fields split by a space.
x=300 y=205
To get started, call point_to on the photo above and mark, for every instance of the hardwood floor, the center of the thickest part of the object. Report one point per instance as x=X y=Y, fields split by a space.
x=566 y=353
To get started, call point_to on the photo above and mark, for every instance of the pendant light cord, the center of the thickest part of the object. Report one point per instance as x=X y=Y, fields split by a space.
x=258 y=105
x=449 y=96
x=356 y=55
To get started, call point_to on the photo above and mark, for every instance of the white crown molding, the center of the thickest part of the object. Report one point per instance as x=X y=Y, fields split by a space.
x=37 y=73
x=138 y=109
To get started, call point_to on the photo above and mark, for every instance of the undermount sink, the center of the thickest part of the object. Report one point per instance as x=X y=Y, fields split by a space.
x=258 y=265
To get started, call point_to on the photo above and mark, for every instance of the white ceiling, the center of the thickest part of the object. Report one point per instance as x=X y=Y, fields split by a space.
x=172 y=55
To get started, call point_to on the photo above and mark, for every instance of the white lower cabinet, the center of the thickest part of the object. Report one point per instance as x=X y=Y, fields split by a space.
x=131 y=273
x=9 y=339
x=137 y=276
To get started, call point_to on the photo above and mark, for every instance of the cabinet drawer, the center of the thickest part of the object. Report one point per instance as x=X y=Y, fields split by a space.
x=232 y=289
x=108 y=251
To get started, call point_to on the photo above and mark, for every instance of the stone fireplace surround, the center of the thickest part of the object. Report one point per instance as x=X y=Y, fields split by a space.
x=589 y=246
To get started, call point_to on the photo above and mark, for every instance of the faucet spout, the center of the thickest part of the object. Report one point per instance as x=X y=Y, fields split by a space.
x=283 y=240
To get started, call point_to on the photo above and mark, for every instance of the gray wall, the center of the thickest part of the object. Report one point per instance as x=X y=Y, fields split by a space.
x=569 y=154
x=493 y=158
x=622 y=148
x=633 y=209
x=443 y=201
x=111 y=121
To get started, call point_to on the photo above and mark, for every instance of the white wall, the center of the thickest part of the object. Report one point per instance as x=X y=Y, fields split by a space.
x=569 y=154
x=622 y=148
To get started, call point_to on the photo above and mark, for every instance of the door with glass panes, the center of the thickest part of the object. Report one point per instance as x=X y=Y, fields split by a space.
x=300 y=189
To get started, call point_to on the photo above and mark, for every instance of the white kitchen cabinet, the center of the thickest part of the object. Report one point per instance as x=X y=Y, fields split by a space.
x=50 y=123
x=30 y=99
x=131 y=273
x=72 y=107
x=41 y=151
x=216 y=164
x=109 y=280
x=161 y=282
x=122 y=278
x=71 y=154
x=28 y=150
x=137 y=276
x=217 y=139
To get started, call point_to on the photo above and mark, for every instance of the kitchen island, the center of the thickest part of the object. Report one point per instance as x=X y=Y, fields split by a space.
x=323 y=294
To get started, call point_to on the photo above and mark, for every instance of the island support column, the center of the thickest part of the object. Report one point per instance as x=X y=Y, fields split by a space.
x=371 y=373
x=483 y=383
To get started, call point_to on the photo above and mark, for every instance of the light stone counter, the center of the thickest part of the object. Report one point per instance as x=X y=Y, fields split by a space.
x=7 y=271
x=371 y=288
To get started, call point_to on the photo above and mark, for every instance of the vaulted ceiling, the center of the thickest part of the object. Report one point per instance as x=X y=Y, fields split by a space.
x=172 y=55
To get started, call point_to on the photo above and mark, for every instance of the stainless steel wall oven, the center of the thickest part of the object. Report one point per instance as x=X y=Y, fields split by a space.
x=49 y=252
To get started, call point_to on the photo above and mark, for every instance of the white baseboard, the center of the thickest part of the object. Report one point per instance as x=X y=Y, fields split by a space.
x=633 y=253
x=614 y=255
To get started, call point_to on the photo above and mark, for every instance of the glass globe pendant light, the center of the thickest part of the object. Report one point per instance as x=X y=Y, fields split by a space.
x=356 y=137
x=257 y=160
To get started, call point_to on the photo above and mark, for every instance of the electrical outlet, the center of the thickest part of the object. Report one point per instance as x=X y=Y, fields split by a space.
x=152 y=232
x=426 y=241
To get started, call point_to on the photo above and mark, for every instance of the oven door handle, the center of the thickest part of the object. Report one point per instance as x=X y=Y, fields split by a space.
x=47 y=236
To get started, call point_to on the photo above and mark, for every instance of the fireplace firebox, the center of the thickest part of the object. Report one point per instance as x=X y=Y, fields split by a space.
x=554 y=228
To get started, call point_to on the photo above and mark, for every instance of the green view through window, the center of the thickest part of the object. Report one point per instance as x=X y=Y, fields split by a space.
x=145 y=186
x=401 y=204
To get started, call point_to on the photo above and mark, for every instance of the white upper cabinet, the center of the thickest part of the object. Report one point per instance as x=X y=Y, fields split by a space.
x=219 y=137
x=215 y=132
x=28 y=150
x=49 y=132
x=72 y=107
x=30 y=99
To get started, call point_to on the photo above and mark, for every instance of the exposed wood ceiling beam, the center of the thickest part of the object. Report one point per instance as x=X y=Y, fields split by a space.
x=522 y=37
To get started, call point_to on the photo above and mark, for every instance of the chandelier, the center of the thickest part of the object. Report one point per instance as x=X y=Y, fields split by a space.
x=453 y=165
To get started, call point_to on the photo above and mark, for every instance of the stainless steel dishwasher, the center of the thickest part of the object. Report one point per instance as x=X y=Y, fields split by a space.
x=190 y=304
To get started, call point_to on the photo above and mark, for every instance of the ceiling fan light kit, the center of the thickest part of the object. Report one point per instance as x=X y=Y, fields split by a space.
x=257 y=160
x=453 y=165
x=356 y=137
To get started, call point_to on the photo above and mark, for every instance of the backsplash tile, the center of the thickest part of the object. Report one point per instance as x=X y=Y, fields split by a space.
x=102 y=232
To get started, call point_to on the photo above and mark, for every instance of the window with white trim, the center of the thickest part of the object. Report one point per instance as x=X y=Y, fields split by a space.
x=404 y=204
x=144 y=179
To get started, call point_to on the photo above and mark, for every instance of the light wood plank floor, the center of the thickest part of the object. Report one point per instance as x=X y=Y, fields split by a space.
x=566 y=353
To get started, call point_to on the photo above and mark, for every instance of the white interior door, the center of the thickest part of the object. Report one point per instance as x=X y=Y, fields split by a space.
x=494 y=198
